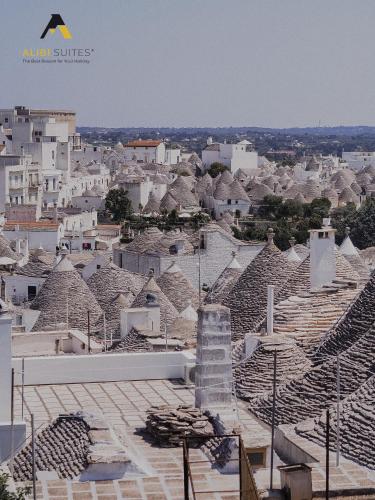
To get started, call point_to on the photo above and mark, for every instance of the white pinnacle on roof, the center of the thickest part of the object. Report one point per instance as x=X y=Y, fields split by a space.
x=347 y=247
x=63 y=264
x=293 y=256
x=189 y=313
x=234 y=264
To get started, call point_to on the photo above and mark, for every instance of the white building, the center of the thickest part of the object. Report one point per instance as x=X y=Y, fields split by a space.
x=150 y=151
x=358 y=159
x=20 y=181
x=234 y=156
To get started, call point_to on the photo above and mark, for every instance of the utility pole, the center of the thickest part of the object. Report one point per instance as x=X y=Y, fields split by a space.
x=199 y=264
x=33 y=455
x=273 y=415
x=338 y=413
x=88 y=332
x=105 y=332
x=327 y=454
x=12 y=424
x=23 y=386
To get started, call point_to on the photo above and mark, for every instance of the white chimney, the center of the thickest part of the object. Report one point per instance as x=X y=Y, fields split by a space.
x=322 y=255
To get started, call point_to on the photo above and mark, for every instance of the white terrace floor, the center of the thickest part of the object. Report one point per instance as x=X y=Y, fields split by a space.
x=124 y=406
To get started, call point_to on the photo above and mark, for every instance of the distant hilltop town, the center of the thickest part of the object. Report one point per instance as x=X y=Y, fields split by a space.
x=184 y=314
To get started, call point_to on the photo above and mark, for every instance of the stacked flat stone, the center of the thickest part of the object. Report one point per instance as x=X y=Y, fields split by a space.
x=357 y=426
x=355 y=323
x=308 y=396
x=66 y=296
x=115 y=288
x=307 y=317
x=224 y=284
x=248 y=298
x=168 y=313
x=255 y=375
x=168 y=425
x=134 y=341
x=62 y=447
x=178 y=288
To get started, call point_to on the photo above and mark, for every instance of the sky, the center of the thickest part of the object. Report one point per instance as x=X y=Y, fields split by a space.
x=196 y=63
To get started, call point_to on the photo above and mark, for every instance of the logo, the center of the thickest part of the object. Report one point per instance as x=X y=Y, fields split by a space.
x=57 y=22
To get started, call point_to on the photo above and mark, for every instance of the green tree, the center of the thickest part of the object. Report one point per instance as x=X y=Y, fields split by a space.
x=363 y=228
x=291 y=208
x=342 y=218
x=216 y=168
x=199 y=219
x=318 y=207
x=270 y=206
x=118 y=204
x=21 y=493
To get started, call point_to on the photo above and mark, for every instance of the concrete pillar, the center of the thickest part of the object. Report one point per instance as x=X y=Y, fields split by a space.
x=270 y=300
x=5 y=366
x=213 y=376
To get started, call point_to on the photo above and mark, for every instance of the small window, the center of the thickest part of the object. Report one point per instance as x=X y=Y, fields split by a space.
x=31 y=292
x=6 y=120
x=257 y=457
x=229 y=202
x=98 y=266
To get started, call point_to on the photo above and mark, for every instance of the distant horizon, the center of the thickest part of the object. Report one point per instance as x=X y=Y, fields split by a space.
x=226 y=126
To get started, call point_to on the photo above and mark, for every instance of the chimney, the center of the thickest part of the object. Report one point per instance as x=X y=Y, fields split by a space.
x=154 y=312
x=322 y=255
x=213 y=377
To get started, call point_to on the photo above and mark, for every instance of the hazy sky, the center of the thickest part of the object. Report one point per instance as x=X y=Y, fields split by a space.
x=273 y=63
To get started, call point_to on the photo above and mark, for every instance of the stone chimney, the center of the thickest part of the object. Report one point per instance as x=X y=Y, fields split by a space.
x=213 y=377
x=322 y=255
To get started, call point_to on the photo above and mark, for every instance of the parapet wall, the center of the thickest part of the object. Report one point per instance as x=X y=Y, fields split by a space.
x=77 y=369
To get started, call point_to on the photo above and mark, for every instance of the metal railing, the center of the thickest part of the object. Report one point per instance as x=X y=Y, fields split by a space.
x=246 y=490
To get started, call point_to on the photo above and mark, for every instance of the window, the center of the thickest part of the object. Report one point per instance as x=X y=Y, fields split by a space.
x=257 y=457
x=98 y=266
x=6 y=120
x=31 y=292
x=53 y=155
x=229 y=202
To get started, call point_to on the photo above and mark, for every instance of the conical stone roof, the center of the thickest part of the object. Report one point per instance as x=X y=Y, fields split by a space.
x=248 y=298
x=254 y=375
x=115 y=288
x=178 y=288
x=6 y=249
x=168 y=203
x=65 y=295
x=168 y=313
x=259 y=191
x=225 y=282
x=181 y=192
x=153 y=204
x=357 y=426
